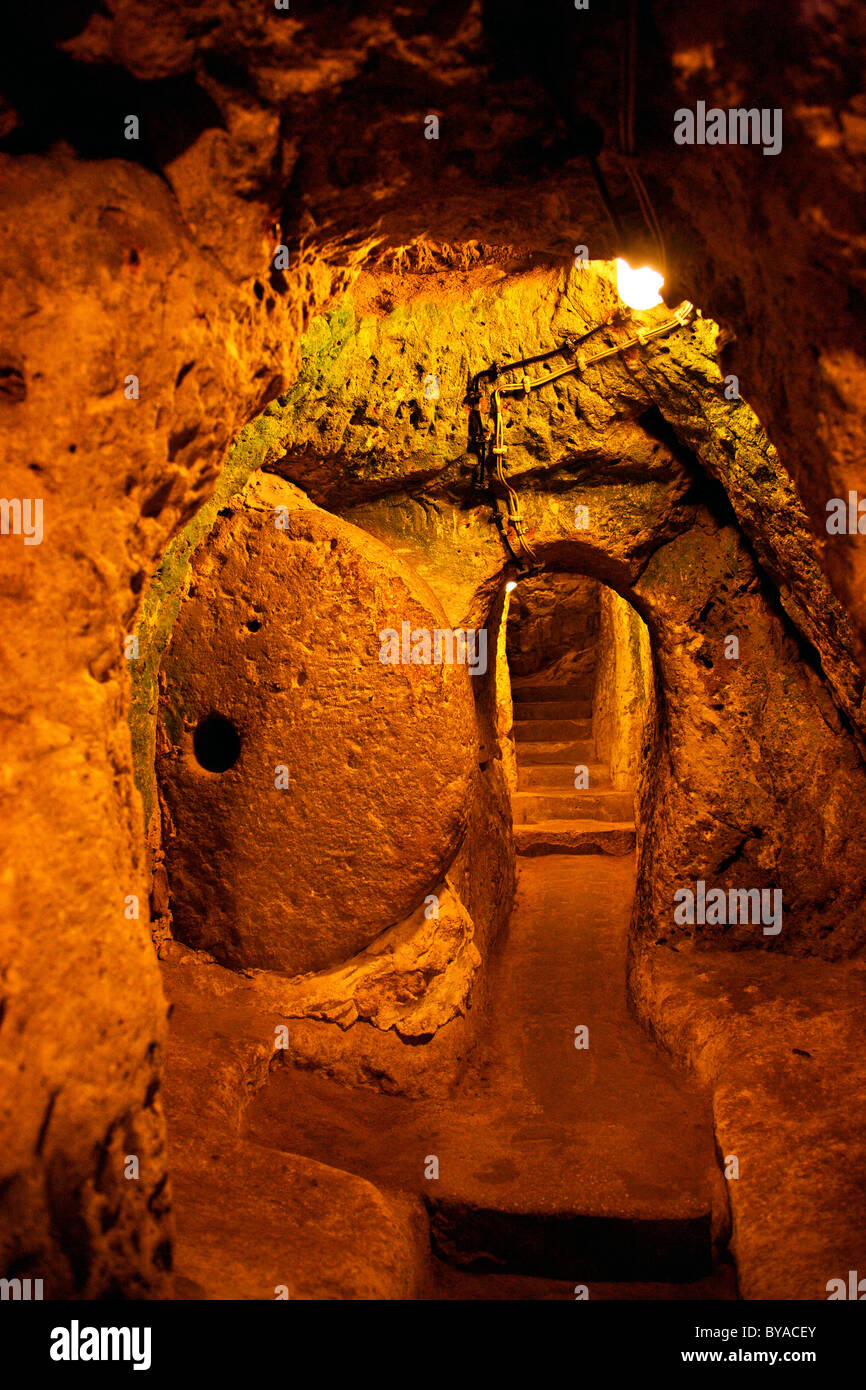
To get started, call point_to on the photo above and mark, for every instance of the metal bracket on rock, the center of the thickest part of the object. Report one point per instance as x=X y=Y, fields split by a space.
x=486 y=438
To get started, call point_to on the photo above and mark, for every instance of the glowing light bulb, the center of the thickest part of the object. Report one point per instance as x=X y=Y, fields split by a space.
x=639 y=289
x=512 y=584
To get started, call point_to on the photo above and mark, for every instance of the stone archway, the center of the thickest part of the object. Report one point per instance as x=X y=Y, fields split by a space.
x=734 y=793
x=741 y=789
x=726 y=817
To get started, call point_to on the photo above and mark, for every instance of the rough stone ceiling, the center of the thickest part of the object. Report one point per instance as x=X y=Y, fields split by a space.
x=309 y=124
x=659 y=414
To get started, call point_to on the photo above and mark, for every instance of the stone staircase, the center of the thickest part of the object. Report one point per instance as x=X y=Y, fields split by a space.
x=553 y=737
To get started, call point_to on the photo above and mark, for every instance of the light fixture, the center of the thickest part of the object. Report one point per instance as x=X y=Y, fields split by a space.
x=512 y=584
x=639 y=289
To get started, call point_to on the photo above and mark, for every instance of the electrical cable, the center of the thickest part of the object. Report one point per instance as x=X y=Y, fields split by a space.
x=626 y=122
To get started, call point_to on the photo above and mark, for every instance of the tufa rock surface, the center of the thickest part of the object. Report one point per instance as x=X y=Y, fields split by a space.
x=280 y=636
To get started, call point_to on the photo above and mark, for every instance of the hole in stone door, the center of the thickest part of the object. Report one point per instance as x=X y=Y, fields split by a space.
x=216 y=743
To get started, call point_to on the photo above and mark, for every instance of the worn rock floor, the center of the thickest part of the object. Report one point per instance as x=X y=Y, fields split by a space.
x=555 y=1162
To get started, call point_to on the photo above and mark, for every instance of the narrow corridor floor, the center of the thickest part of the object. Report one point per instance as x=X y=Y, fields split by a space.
x=554 y=1161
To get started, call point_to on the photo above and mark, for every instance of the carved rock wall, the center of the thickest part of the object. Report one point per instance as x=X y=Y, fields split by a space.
x=623 y=689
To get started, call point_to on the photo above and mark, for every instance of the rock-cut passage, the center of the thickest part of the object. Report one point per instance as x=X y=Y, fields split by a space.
x=572 y=646
x=569 y=1150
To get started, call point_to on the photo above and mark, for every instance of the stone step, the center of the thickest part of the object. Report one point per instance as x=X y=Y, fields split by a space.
x=571 y=804
x=538 y=752
x=529 y=693
x=552 y=1160
x=464 y=1285
x=558 y=776
x=549 y=730
x=552 y=709
x=616 y=838
x=559 y=1243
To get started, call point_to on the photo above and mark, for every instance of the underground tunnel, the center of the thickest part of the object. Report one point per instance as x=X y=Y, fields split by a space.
x=434 y=722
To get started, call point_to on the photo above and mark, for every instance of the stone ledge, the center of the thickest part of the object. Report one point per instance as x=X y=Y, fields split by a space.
x=782 y=1044
x=574 y=837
